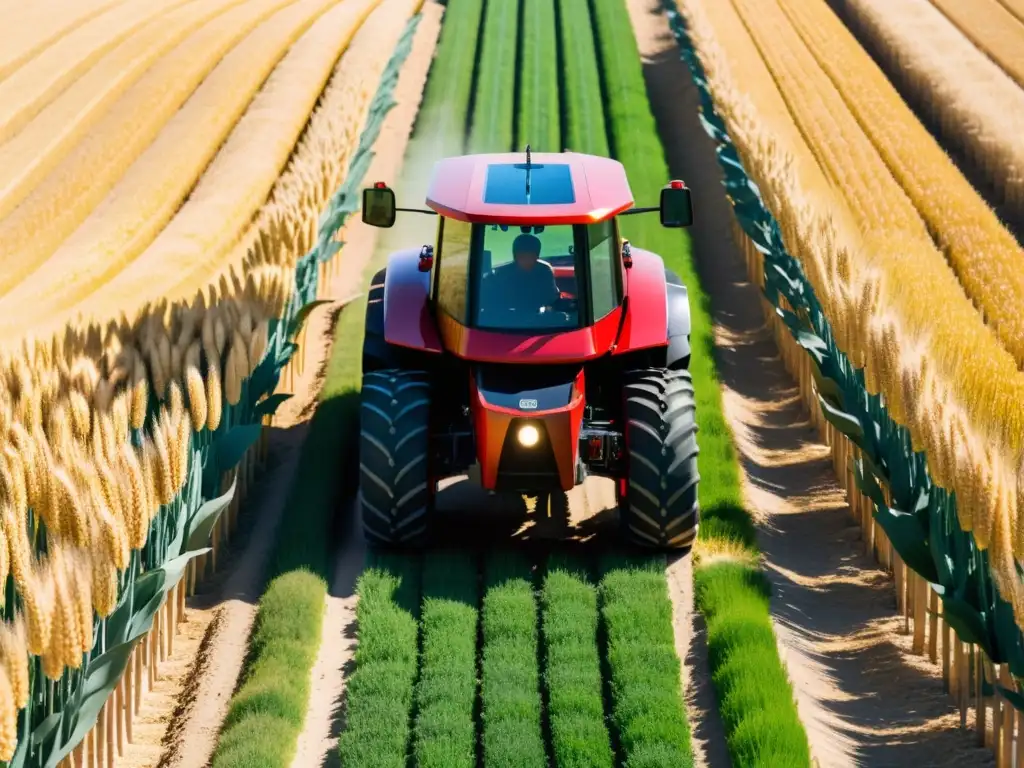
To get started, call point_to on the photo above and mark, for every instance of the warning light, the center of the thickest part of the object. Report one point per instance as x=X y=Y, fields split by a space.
x=676 y=184
x=380 y=185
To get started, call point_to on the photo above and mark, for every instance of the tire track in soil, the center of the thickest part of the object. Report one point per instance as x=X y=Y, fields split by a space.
x=864 y=699
x=317 y=744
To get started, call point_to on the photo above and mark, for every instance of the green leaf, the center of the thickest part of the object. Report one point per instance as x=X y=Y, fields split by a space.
x=200 y=525
x=844 y=422
x=233 y=444
x=909 y=540
x=268 y=406
x=105 y=672
x=301 y=316
x=866 y=482
x=967 y=622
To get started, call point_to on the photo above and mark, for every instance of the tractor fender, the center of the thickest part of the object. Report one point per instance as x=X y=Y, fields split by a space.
x=407 y=319
x=646 y=320
x=678 y=300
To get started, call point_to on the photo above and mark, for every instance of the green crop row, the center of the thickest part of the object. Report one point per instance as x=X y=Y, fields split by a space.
x=446 y=693
x=494 y=100
x=538 y=121
x=380 y=691
x=572 y=668
x=441 y=121
x=581 y=90
x=510 y=682
x=750 y=680
x=647 y=707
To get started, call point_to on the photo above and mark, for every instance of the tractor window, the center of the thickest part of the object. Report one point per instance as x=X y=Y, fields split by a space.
x=604 y=267
x=453 y=268
x=537 y=291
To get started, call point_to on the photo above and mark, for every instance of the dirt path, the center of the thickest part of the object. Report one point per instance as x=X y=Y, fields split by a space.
x=864 y=699
x=178 y=724
x=319 y=737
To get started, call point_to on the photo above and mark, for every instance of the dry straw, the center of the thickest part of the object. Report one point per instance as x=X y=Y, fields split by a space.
x=895 y=305
x=977 y=107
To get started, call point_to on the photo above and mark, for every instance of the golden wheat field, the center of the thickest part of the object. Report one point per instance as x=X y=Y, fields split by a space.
x=921 y=282
x=163 y=165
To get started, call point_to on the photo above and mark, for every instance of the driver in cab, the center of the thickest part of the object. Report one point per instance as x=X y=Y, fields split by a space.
x=527 y=284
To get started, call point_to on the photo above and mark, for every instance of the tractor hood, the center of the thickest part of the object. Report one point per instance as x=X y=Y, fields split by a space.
x=563 y=347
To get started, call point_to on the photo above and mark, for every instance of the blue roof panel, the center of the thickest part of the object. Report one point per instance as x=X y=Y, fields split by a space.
x=550 y=184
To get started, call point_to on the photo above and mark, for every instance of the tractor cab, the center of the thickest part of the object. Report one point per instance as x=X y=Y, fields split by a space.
x=528 y=247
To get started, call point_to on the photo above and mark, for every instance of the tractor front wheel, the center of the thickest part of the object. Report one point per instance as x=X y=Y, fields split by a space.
x=395 y=493
x=660 y=508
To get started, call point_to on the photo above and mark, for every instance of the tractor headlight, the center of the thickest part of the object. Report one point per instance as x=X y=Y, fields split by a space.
x=528 y=436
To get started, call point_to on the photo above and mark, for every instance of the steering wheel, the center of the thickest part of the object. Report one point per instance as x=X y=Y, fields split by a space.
x=565 y=303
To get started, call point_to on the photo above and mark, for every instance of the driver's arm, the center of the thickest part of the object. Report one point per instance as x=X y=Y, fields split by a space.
x=551 y=292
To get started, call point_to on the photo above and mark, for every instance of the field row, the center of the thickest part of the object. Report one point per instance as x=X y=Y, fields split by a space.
x=460 y=649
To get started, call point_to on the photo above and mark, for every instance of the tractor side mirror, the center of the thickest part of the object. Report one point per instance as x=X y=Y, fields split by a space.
x=379 y=206
x=676 y=207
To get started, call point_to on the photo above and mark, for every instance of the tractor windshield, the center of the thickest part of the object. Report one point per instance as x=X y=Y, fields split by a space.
x=526 y=278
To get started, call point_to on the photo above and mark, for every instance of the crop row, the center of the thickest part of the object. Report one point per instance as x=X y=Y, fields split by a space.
x=726 y=526
x=538 y=640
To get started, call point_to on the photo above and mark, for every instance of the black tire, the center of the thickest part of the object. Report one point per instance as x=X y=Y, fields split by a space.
x=660 y=508
x=395 y=493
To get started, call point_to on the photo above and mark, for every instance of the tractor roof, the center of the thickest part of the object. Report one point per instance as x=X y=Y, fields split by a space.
x=564 y=188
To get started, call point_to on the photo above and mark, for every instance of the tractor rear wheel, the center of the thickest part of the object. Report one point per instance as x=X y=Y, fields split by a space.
x=395 y=492
x=660 y=507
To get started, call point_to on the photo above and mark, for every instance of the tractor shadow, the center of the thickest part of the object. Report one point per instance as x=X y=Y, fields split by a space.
x=470 y=517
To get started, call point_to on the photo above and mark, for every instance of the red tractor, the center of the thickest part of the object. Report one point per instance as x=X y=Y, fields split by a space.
x=532 y=340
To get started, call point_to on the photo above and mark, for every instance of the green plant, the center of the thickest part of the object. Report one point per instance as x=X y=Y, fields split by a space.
x=510 y=684
x=445 y=728
x=572 y=667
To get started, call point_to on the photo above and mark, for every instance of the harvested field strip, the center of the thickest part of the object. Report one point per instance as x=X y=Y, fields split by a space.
x=572 y=667
x=149 y=192
x=726 y=526
x=582 y=106
x=445 y=734
x=981 y=251
x=380 y=691
x=267 y=712
x=234 y=187
x=510 y=682
x=493 y=115
x=538 y=122
x=319 y=162
x=33 y=152
x=1016 y=7
x=648 y=717
x=33 y=86
x=978 y=110
x=31 y=28
x=62 y=202
x=993 y=29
